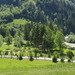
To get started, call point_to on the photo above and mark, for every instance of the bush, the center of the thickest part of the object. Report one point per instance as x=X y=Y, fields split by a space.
x=61 y=53
x=41 y=55
x=54 y=59
x=70 y=54
x=49 y=54
x=6 y=52
x=31 y=58
x=62 y=60
x=69 y=60
x=36 y=51
x=28 y=43
x=20 y=57
x=56 y=54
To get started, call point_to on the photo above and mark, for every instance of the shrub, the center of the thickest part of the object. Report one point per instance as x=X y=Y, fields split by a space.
x=20 y=57
x=31 y=58
x=69 y=60
x=61 y=53
x=49 y=54
x=36 y=51
x=56 y=54
x=70 y=54
x=62 y=60
x=54 y=59
x=41 y=55
x=6 y=52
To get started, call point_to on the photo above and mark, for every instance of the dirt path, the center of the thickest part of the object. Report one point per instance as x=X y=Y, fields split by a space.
x=38 y=58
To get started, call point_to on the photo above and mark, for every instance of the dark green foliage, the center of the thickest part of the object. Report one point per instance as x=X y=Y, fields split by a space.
x=1 y=40
x=54 y=59
x=1 y=53
x=27 y=29
x=62 y=60
x=62 y=12
x=70 y=54
x=20 y=57
x=69 y=60
x=61 y=53
x=18 y=39
x=31 y=57
x=56 y=54
x=41 y=54
x=48 y=38
x=8 y=37
x=49 y=54
x=6 y=52
x=11 y=52
x=8 y=40
x=28 y=43
x=36 y=51
x=17 y=44
x=2 y=31
x=37 y=33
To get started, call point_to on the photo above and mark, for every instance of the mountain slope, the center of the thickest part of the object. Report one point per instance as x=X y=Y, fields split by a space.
x=62 y=12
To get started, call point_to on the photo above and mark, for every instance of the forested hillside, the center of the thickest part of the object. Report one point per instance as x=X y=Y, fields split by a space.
x=61 y=12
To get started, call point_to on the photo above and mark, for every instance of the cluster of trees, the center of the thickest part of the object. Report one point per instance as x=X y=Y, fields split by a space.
x=60 y=11
x=47 y=35
x=37 y=33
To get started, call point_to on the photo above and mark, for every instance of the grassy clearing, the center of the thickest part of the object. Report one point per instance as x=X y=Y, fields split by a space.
x=5 y=46
x=38 y=67
x=18 y=21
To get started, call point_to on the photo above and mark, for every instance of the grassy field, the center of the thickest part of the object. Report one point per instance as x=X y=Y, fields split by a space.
x=38 y=67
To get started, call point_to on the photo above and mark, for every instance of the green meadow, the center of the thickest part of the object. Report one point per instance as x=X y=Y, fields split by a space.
x=18 y=21
x=37 y=67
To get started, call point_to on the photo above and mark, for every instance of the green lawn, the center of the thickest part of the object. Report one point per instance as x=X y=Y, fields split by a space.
x=38 y=67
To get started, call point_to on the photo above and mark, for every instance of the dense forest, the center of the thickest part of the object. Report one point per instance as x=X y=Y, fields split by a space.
x=61 y=12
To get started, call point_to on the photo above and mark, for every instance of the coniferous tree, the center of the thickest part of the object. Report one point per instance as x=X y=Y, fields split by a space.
x=48 y=38
x=1 y=40
x=59 y=39
x=37 y=33
x=8 y=37
x=26 y=32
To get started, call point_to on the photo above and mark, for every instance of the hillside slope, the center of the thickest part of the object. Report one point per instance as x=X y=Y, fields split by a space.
x=62 y=12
